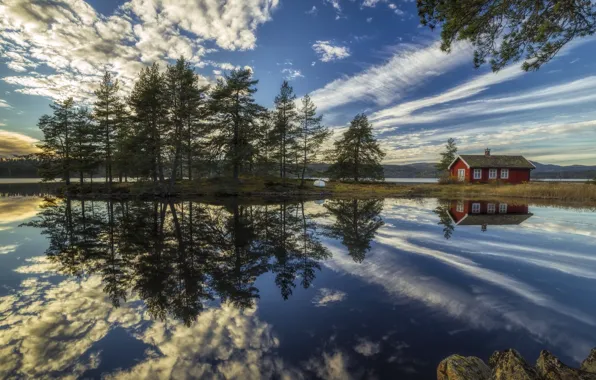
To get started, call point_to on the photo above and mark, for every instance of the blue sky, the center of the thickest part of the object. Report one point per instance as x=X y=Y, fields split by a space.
x=352 y=56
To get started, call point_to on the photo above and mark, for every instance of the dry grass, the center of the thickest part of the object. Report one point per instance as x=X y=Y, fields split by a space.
x=571 y=192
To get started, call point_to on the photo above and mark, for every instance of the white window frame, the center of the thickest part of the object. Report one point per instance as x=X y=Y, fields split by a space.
x=460 y=206
x=503 y=208
x=475 y=208
x=477 y=173
x=492 y=173
x=491 y=208
x=505 y=173
x=459 y=174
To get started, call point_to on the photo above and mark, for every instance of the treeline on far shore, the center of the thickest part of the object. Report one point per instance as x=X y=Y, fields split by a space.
x=169 y=127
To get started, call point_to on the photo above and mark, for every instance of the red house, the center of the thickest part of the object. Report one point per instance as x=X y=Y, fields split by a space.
x=487 y=168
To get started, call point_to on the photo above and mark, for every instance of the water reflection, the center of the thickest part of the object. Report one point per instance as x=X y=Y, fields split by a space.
x=177 y=256
x=334 y=289
x=479 y=213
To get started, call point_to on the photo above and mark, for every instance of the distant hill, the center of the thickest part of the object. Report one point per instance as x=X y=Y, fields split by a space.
x=563 y=172
x=26 y=168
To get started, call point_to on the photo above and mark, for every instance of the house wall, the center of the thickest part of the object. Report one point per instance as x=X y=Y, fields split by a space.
x=459 y=164
x=515 y=175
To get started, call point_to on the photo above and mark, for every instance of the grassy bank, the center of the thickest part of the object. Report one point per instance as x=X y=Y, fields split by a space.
x=217 y=187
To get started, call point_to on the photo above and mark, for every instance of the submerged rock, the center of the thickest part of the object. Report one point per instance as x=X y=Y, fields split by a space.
x=551 y=368
x=457 y=367
x=510 y=365
x=589 y=365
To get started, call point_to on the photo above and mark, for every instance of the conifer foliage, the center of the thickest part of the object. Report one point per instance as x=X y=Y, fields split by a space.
x=171 y=126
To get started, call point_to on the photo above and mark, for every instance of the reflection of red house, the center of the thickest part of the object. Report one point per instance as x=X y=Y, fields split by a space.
x=483 y=213
x=487 y=167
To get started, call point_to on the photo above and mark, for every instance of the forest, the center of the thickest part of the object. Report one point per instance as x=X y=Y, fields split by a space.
x=169 y=128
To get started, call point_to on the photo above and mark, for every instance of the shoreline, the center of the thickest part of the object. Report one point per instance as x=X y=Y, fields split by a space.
x=275 y=189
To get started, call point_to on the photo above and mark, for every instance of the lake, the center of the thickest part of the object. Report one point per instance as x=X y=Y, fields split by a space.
x=332 y=289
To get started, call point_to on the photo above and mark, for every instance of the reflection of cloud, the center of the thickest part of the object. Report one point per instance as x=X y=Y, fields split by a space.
x=367 y=348
x=328 y=296
x=331 y=366
x=17 y=209
x=8 y=248
x=53 y=328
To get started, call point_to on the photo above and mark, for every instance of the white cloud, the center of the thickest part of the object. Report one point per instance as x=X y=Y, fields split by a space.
x=371 y=3
x=328 y=296
x=3 y=104
x=328 y=52
x=6 y=249
x=313 y=11
x=369 y=20
x=291 y=74
x=12 y=143
x=76 y=43
x=335 y=4
x=390 y=81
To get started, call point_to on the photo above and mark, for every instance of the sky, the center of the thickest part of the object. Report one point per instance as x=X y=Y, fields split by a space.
x=351 y=56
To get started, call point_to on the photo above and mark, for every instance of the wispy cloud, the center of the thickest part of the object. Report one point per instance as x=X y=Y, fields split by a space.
x=291 y=74
x=328 y=51
x=383 y=84
x=3 y=104
x=16 y=143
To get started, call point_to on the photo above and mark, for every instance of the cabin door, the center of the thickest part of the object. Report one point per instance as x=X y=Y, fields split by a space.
x=461 y=174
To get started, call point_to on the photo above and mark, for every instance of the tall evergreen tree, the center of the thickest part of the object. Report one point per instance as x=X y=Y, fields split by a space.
x=84 y=147
x=106 y=107
x=234 y=115
x=147 y=102
x=312 y=133
x=448 y=155
x=357 y=154
x=56 y=147
x=286 y=130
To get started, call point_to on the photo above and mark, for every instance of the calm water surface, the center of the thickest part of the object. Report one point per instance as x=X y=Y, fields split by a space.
x=333 y=289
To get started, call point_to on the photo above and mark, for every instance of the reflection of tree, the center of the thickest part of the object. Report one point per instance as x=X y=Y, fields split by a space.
x=356 y=222
x=445 y=220
x=177 y=256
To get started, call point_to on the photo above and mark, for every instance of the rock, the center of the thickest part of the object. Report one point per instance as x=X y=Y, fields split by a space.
x=457 y=367
x=589 y=365
x=551 y=368
x=510 y=365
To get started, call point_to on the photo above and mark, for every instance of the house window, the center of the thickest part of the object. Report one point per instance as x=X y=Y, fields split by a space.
x=505 y=173
x=461 y=174
x=490 y=208
x=477 y=173
x=460 y=206
x=492 y=174
x=475 y=208
x=503 y=208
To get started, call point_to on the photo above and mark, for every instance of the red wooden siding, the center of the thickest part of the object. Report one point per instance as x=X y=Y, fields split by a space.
x=515 y=175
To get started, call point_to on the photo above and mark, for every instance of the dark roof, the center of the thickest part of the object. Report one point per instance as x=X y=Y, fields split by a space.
x=494 y=219
x=482 y=161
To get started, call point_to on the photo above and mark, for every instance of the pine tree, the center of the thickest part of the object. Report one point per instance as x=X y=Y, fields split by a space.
x=85 y=154
x=56 y=146
x=312 y=133
x=234 y=117
x=286 y=130
x=357 y=155
x=106 y=106
x=447 y=156
x=147 y=102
